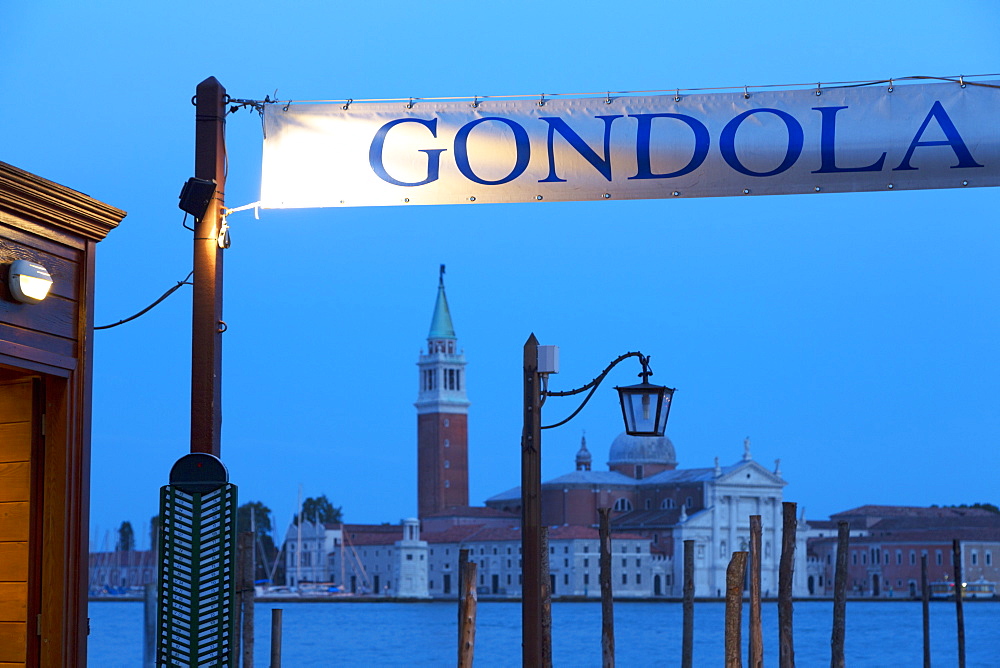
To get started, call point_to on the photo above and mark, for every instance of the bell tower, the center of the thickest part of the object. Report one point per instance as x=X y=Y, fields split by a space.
x=442 y=416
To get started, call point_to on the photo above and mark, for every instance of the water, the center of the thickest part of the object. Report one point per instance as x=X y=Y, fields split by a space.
x=879 y=634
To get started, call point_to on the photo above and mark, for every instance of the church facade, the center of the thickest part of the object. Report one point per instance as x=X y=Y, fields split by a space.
x=656 y=507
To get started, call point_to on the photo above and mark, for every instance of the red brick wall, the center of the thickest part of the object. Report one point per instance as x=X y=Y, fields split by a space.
x=433 y=430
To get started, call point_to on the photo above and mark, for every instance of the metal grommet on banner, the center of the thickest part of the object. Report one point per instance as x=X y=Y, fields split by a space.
x=607 y=195
x=889 y=186
x=965 y=183
x=475 y=102
x=285 y=108
x=961 y=80
x=541 y=100
x=890 y=85
x=746 y=93
x=406 y=200
x=608 y=99
x=409 y=105
x=817 y=189
x=746 y=191
x=347 y=104
x=677 y=95
x=538 y=197
x=818 y=90
x=676 y=193
x=472 y=198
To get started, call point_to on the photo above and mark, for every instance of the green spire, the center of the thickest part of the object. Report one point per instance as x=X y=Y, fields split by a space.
x=441 y=327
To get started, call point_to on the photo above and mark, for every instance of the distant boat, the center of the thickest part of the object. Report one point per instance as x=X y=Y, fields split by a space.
x=979 y=589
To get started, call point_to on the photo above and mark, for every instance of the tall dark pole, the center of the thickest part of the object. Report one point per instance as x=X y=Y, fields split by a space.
x=956 y=556
x=531 y=511
x=840 y=597
x=687 y=648
x=925 y=599
x=206 y=308
x=786 y=568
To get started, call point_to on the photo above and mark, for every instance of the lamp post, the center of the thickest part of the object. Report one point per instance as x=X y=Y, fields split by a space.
x=645 y=408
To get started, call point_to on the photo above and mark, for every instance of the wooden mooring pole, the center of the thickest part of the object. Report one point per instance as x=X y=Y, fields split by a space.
x=463 y=562
x=607 y=602
x=735 y=578
x=467 y=642
x=755 y=652
x=275 y=638
x=925 y=600
x=245 y=597
x=786 y=569
x=687 y=654
x=839 y=597
x=956 y=555
x=546 y=618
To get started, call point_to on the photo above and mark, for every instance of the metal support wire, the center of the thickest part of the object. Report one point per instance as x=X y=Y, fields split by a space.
x=592 y=386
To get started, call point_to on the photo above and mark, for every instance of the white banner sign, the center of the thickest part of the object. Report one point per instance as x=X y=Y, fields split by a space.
x=766 y=143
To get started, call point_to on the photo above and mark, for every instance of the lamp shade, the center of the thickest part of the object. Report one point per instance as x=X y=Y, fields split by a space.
x=645 y=408
x=29 y=282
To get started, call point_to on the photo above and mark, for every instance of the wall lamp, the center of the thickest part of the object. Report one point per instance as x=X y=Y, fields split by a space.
x=29 y=281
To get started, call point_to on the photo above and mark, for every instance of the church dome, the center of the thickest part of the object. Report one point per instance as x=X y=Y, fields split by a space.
x=627 y=449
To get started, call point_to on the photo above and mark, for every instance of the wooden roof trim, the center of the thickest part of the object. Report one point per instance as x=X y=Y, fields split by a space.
x=36 y=199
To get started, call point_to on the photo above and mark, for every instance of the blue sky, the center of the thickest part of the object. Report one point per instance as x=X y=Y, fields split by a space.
x=853 y=336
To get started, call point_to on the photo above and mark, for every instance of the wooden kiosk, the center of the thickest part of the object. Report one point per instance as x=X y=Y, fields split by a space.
x=46 y=353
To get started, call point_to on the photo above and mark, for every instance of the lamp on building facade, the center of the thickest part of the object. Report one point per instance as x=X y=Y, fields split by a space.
x=645 y=408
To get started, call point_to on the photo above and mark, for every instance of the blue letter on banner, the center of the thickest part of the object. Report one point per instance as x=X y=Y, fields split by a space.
x=701 y=143
x=522 y=148
x=570 y=135
x=954 y=140
x=727 y=141
x=433 y=154
x=828 y=140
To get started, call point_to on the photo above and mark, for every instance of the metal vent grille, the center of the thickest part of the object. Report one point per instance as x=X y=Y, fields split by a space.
x=197 y=574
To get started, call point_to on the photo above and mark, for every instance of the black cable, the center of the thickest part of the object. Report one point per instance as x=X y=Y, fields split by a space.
x=150 y=307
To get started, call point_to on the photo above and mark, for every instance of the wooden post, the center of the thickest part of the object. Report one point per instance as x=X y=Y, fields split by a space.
x=840 y=597
x=206 y=305
x=687 y=654
x=531 y=510
x=246 y=598
x=276 y=638
x=925 y=600
x=756 y=649
x=735 y=576
x=467 y=643
x=607 y=601
x=786 y=569
x=956 y=554
x=546 y=619
x=149 y=626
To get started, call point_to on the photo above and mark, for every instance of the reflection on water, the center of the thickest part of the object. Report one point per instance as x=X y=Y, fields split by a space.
x=646 y=634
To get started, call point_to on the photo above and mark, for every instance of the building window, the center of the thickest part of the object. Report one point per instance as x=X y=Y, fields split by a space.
x=989 y=557
x=446 y=423
x=899 y=557
x=638 y=578
x=649 y=504
x=447 y=443
x=447 y=464
x=586 y=563
x=689 y=502
x=623 y=505
x=638 y=471
x=409 y=557
x=447 y=484
x=565 y=563
x=937 y=557
x=975 y=558
x=566 y=578
x=624 y=563
x=586 y=578
x=624 y=578
x=656 y=538
x=854 y=558
x=586 y=548
x=666 y=504
x=913 y=558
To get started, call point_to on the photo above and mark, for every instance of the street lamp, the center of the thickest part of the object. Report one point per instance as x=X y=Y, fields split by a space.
x=645 y=408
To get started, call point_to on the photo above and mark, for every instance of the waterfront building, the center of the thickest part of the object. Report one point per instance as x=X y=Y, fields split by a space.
x=887 y=543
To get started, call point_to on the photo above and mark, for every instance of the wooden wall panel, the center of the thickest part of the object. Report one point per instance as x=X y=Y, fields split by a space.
x=13 y=562
x=13 y=601
x=16 y=404
x=13 y=642
x=15 y=481
x=15 y=442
